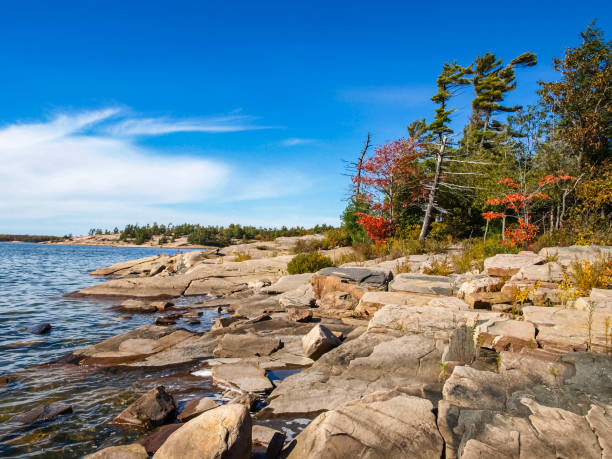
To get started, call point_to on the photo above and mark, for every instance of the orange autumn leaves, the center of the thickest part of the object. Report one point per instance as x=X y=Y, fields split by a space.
x=390 y=180
x=519 y=201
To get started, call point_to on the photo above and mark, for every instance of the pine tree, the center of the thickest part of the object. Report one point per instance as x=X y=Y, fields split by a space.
x=492 y=81
x=452 y=77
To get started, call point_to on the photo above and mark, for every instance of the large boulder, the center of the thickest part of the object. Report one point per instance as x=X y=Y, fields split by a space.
x=548 y=272
x=546 y=432
x=134 y=346
x=567 y=256
x=318 y=341
x=372 y=301
x=479 y=285
x=155 y=439
x=300 y=297
x=381 y=425
x=288 y=283
x=338 y=290
x=196 y=407
x=505 y=335
x=132 y=267
x=506 y=264
x=540 y=404
x=243 y=376
x=375 y=279
x=566 y=330
x=247 y=345
x=134 y=451
x=224 y=432
x=422 y=283
x=154 y=408
x=598 y=299
x=403 y=347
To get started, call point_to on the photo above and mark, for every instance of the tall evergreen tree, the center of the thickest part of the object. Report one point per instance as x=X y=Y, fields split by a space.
x=452 y=77
x=492 y=81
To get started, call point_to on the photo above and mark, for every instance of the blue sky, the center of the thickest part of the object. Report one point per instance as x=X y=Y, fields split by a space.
x=219 y=112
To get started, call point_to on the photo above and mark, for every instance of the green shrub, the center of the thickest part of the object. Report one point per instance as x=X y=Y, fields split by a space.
x=338 y=237
x=439 y=268
x=475 y=252
x=242 y=256
x=308 y=263
x=307 y=245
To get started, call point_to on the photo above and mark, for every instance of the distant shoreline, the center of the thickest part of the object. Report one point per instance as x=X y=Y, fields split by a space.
x=126 y=245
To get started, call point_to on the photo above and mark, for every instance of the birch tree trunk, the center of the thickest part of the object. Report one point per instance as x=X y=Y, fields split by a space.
x=434 y=191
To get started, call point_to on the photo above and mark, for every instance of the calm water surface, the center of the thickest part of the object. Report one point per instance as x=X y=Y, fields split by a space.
x=33 y=279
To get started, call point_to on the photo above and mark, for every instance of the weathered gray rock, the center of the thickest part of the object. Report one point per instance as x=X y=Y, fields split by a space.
x=134 y=451
x=395 y=319
x=132 y=267
x=372 y=301
x=40 y=329
x=246 y=346
x=506 y=264
x=300 y=297
x=598 y=299
x=224 y=432
x=243 y=376
x=154 y=408
x=476 y=389
x=449 y=302
x=41 y=413
x=545 y=433
x=395 y=352
x=371 y=278
x=422 y=283
x=536 y=366
x=478 y=285
x=288 y=283
x=566 y=256
x=196 y=407
x=548 y=272
x=566 y=330
x=600 y=421
x=318 y=341
x=380 y=425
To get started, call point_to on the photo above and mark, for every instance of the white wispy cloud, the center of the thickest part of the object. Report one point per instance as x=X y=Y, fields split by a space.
x=76 y=168
x=160 y=126
x=293 y=141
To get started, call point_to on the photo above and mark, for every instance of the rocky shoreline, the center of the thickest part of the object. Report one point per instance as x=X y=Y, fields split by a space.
x=374 y=361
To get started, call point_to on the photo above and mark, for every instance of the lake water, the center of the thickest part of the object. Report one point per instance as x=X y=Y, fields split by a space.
x=33 y=278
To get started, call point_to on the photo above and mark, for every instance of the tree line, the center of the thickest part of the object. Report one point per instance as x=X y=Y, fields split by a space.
x=515 y=172
x=218 y=236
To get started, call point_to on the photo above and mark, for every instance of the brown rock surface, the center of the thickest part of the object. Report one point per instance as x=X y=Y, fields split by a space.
x=154 y=408
x=224 y=432
x=196 y=407
x=381 y=425
x=134 y=451
x=318 y=341
x=506 y=264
